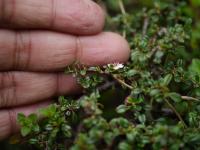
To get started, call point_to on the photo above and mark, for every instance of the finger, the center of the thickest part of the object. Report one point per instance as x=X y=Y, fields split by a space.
x=72 y=16
x=50 y=51
x=19 y=88
x=8 y=123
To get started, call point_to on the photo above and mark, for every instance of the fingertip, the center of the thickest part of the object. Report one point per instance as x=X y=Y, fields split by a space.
x=98 y=19
x=120 y=46
x=104 y=48
x=91 y=19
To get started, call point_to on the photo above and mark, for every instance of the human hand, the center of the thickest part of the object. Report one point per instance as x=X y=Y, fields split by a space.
x=38 y=39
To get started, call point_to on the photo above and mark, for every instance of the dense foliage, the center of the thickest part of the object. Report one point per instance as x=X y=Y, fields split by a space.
x=151 y=102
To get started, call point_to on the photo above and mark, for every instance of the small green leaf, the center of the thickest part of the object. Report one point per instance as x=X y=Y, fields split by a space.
x=121 y=109
x=154 y=92
x=83 y=72
x=167 y=79
x=137 y=91
x=66 y=129
x=25 y=131
x=21 y=118
x=116 y=122
x=48 y=127
x=195 y=66
x=33 y=117
x=174 y=96
x=142 y=118
x=131 y=73
x=33 y=141
x=124 y=146
x=36 y=128
x=132 y=100
x=48 y=111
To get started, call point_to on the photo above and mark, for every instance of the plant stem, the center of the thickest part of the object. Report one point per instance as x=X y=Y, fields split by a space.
x=123 y=11
x=176 y=112
x=122 y=8
x=122 y=82
x=190 y=98
x=145 y=26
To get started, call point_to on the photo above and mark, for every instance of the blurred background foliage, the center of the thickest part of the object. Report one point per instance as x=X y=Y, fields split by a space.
x=191 y=8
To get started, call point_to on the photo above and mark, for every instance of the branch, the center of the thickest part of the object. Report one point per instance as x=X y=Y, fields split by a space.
x=122 y=8
x=107 y=85
x=145 y=26
x=176 y=112
x=123 y=11
x=122 y=82
x=190 y=98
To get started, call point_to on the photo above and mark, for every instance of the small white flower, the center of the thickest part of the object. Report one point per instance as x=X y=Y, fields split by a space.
x=118 y=66
x=92 y=69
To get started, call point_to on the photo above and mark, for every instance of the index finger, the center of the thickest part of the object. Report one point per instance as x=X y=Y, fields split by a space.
x=71 y=16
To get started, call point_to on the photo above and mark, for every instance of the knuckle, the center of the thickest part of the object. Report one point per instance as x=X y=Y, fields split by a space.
x=22 y=50
x=2 y=6
x=12 y=120
x=78 y=49
x=5 y=126
x=53 y=13
x=7 y=10
x=8 y=89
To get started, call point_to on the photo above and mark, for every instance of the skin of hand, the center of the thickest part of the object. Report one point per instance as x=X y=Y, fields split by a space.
x=38 y=39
